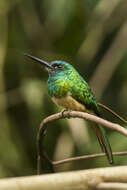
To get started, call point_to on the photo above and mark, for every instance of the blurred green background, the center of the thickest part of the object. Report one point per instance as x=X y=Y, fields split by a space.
x=92 y=36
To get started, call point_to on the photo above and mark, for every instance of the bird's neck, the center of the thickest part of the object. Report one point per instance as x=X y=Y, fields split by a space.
x=56 y=76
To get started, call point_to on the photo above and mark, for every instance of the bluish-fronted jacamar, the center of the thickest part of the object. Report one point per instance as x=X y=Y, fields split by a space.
x=69 y=90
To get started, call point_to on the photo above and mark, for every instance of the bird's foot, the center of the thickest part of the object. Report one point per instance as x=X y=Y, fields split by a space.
x=65 y=114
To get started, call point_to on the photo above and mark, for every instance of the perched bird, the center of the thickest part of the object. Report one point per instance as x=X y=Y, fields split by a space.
x=68 y=89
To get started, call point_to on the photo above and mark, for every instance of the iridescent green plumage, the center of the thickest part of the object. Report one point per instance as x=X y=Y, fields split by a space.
x=69 y=81
x=69 y=90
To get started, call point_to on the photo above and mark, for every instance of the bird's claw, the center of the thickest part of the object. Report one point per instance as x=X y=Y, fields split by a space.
x=65 y=113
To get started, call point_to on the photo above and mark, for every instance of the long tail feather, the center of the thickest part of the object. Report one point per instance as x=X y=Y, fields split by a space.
x=114 y=113
x=104 y=142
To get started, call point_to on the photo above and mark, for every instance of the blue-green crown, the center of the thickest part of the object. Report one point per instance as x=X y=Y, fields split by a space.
x=59 y=62
x=61 y=65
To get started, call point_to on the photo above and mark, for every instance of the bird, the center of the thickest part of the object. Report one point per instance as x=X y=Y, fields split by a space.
x=68 y=89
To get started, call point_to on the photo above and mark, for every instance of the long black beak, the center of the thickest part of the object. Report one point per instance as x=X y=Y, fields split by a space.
x=44 y=63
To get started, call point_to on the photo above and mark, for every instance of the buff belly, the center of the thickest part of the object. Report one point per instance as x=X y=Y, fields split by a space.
x=69 y=103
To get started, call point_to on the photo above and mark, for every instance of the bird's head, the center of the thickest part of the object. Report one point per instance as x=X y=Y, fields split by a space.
x=54 y=66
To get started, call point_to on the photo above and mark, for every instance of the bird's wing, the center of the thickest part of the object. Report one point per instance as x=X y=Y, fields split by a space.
x=81 y=92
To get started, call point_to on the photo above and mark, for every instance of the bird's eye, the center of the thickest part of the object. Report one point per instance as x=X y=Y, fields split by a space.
x=58 y=66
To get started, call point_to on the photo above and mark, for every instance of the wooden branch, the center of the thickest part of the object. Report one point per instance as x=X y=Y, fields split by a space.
x=100 y=178
x=55 y=163
x=68 y=114
x=112 y=186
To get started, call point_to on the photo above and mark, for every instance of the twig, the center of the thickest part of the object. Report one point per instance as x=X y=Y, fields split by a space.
x=67 y=114
x=55 y=163
x=40 y=150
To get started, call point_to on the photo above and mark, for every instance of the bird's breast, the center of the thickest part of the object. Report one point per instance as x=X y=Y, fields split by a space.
x=69 y=103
